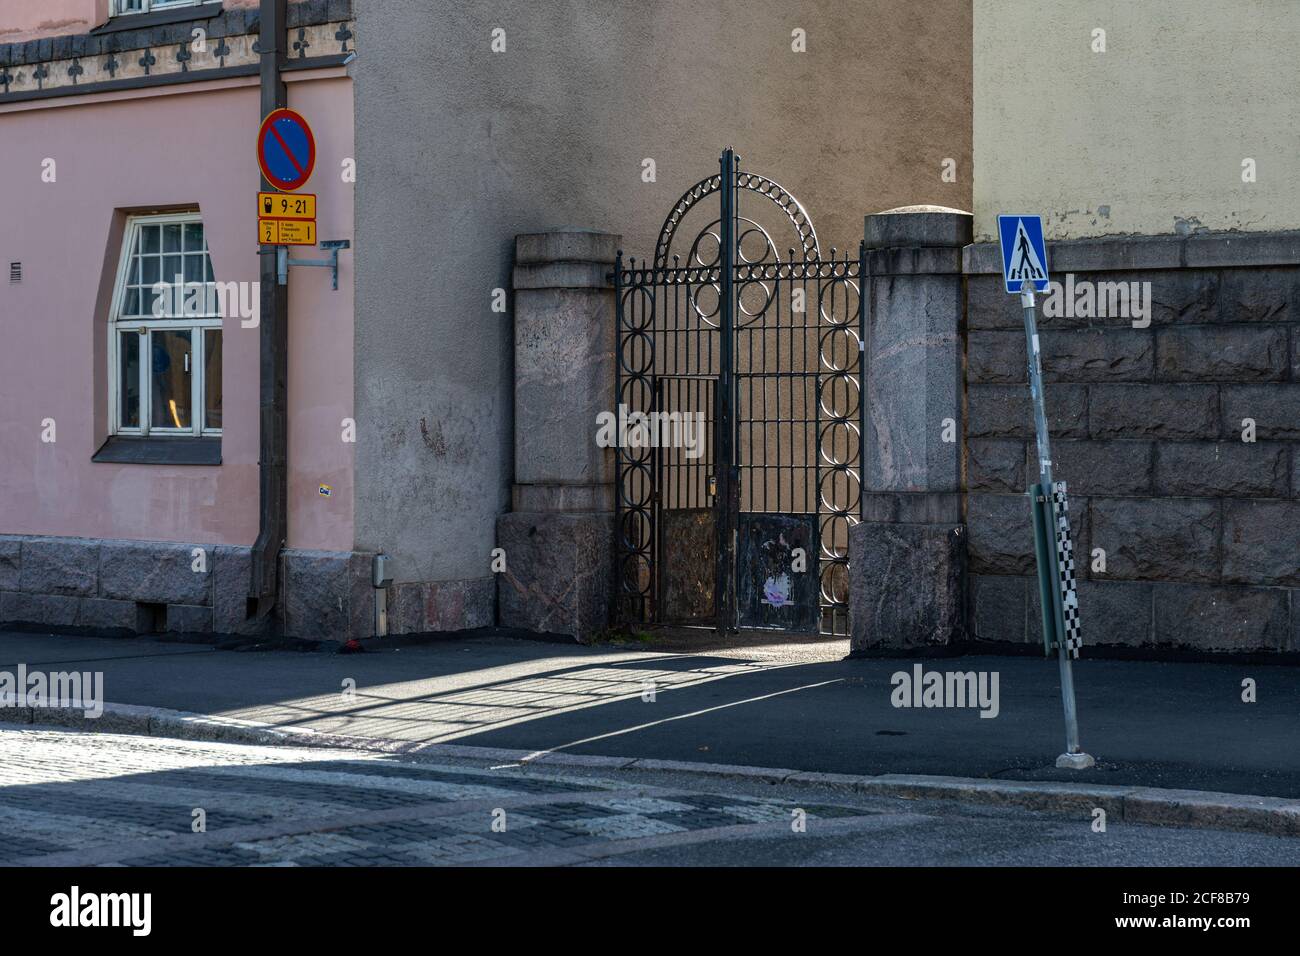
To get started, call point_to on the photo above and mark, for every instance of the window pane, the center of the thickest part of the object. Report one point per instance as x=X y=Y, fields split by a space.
x=212 y=377
x=170 y=385
x=148 y=300
x=128 y=379
x=132 y=304
x=150 y=235
x=194 y=237
x=149 y=269
x=172 y=237
x=172 y=268
x=194 y=268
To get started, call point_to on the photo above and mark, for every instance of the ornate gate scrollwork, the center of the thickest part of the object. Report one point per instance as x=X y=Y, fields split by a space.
x=760 y=352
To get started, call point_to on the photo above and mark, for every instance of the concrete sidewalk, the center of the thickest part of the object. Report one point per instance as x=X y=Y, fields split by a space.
x=1175 y=726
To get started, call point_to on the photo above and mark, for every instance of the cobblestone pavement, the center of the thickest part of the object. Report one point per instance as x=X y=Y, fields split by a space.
x=79 y=799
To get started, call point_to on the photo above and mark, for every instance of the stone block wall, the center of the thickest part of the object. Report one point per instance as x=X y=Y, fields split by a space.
x=906 y=557
x=1200 y=529
x=149 y=587
x=558 y=541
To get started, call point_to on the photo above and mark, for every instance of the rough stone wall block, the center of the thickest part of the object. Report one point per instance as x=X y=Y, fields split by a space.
x=907 y=559
x=559 y=572
x=559 y=544
x=326 y=595
x=906 y=585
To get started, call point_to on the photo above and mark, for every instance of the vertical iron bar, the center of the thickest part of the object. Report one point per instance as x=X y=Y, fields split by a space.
x=657 y=508
x=722 y=598
x=620 y=553
x=774 y=308
x=816 y=504
x=864 y=296
x=864 y=301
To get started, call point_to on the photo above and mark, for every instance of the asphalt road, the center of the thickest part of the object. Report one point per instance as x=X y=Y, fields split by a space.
x=1177 y=725
x=77 y=799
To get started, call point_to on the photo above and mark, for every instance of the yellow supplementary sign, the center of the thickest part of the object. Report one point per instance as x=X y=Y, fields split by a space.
x=286 y=232
x=286 y=206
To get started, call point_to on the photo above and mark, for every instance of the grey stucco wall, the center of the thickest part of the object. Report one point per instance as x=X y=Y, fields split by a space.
x=460 y=149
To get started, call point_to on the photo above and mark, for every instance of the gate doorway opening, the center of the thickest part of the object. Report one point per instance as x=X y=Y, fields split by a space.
x=739 y=376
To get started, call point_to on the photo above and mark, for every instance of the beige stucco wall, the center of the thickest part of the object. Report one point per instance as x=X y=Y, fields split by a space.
x=461 y=149
x=1147 y=137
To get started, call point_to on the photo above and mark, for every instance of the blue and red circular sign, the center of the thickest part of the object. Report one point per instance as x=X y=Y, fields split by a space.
x=286 y=149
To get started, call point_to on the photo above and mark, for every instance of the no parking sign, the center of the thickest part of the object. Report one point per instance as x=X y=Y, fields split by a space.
x=286 y=149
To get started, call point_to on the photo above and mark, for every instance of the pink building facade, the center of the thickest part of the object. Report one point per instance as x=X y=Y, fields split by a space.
x=130 y=431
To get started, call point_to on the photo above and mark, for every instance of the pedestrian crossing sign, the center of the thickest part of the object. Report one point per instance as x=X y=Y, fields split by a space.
x=1024 y=253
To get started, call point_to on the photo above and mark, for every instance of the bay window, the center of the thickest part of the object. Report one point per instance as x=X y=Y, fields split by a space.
x=165 y=332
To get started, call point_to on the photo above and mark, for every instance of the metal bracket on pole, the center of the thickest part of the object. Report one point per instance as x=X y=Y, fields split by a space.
x=332 y=246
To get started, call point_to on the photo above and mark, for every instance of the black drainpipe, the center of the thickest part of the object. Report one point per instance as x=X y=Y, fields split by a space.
x=274 y=332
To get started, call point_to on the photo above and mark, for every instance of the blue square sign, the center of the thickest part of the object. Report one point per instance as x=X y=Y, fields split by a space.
x=1024 y=253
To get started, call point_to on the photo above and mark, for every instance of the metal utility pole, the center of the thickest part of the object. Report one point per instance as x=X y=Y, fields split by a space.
x=273 y=330
x=1073 y=758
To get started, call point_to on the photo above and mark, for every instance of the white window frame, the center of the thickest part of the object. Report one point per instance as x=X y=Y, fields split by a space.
x=120 y=7
x=119 y=324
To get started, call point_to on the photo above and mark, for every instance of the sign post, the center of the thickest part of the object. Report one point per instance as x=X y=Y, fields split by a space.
x=1024 y=271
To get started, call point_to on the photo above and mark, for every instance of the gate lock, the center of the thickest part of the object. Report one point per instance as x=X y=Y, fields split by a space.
x=713 y=486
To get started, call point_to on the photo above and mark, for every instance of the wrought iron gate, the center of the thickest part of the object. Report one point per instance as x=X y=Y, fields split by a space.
x=739 y=392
